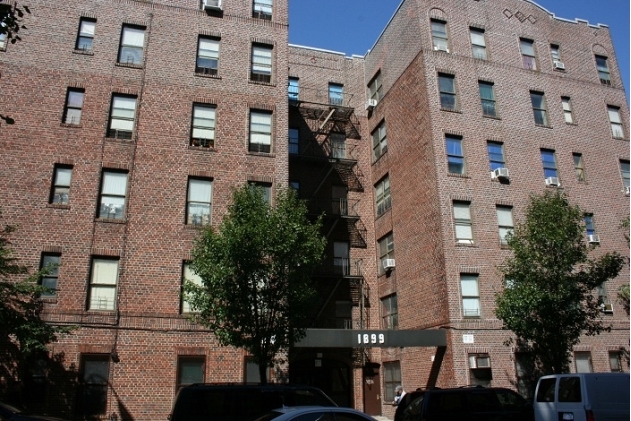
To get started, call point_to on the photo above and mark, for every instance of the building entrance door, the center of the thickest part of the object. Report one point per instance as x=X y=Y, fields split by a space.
x=332 y=376
x=372 y=391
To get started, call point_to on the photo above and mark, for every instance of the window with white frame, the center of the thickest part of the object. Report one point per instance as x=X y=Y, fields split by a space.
x=440 y=39
x=615 y=121
x=188 y=275
x=382 y=195
x=478 y=43
x=60 y=191
x=374 y=87
x=50 y=264
x=567 y=109
x=260 y=131
x=207 y=61
x=579 y=166
x=455 y=154
x=389 y=312
x=199 y=201
x=122 y=116
x=556 y=55
x=549 y=162
x=113 y=195
x=74 y=105
x=583 y=361
x=3 y=42
x=504 y=222
x=203 y=126
x=447 y=90
x=463 y=226
x=386 y=251
x=262 y=9
x=487 y=98
x=624 y=172
x=261 y=63
x=480 y=372
x=85 y=36
x=379 y=142
x=293 y=90
x=603 y=70
x=590 y=229
x=131 y=46
x=470 y=295
x=539 y=108
x=103 y=283
x=336 y=94
x=496 y=155
x=527 y=48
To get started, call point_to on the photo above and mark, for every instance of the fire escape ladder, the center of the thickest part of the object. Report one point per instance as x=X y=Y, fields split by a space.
x=357 y=232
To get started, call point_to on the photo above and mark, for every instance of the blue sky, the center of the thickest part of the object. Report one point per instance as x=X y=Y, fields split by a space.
x=353 y=26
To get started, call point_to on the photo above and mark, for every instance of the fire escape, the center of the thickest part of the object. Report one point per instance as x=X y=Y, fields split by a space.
x=328 y=146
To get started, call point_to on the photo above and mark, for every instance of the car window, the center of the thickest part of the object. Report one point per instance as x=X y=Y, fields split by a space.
x=545 y=393
x=482 y=400
x=570 y=389
x=509 y=399
x=445 y=403
x=413 y=410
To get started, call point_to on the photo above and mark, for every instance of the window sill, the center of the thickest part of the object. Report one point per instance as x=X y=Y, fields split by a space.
x=201 y=148
x=265 y=154
x=379 y=157
x=83 y=52
x=207 y=76
x=492 y=117
x=119 y=140
x=456 y=175
x=472 y=317
x=379 y=215
x=471 y=244
x=258 y=82
x=194 y=227
x=72 y=126
x=48 y=299
x=449 y=110
x=543 y=126
x=57 y=206
x=129 y=65
x=571 y=124
x=620 y=138
x=111 y=220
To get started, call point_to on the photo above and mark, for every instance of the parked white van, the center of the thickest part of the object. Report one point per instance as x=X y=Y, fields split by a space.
x=582 y=397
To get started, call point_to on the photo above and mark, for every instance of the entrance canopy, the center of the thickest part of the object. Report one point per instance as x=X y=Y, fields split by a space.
x=350 y=338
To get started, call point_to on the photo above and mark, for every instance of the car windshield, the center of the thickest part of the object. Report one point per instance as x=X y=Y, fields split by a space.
x=413 y=410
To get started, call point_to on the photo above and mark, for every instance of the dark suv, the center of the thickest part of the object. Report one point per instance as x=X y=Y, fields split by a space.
x=465 y=403
x=241 y=402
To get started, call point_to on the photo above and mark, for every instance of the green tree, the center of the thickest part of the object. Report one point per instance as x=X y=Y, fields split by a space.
x=256 y=290
x=549 y=299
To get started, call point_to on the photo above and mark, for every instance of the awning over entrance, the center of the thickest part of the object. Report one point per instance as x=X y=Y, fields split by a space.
x=350 y=338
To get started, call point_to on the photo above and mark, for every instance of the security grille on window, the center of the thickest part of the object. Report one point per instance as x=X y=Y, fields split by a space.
x=262 y=9
x=131 y=48
x=379 y=142
x=60 y=192
x=615 y=121
x=188 y=275
x=336 y=94
x=462 y=222
x=603 y=70
x=470 y=295
x=199 y=201
x=478 y=44
x=528 y=53
x=504 y=222
x=496 y=155
x=261 y=64
x=112 y=198
x=103 y=283
x=293 y=90
x=203 y=130
x=85 y=37
x=294 y=141
x=389 y=312
x=93 y=380
x=386 y=251
x=455 y=155
x=74 y=104
x=50 y=263
x=382 y=195
x=375 y=87
x=487 y=97
x=567 y=109
x=539 y=108
x=207 y=56
x=440 y=38
x=122 y=115
x=260 y=132
x=579 y=166
x=447 y=88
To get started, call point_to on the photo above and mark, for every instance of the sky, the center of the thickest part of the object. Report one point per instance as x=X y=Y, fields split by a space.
x=353 y=26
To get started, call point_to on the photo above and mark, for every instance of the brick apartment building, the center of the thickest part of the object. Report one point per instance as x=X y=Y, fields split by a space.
x=134 y=119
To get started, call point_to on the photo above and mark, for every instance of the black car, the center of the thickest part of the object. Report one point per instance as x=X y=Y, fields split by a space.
x=465 y=403
x=241 y=402
x=11 y=413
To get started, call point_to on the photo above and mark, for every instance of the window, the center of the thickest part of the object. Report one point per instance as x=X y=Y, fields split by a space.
x=198 y=203
x=293 y=91
x=583 y=360
x=539 y=108
x=478 y=44
x=262 y=9
x=440 y=39
x=132 y=42
x=603 y=70
x=382 y=195
x=343 y=315
x=487 y=97
x=260 y=131
x=203 y=126
x=264 y=188
x=462 y=222
x=389 y=312
x=338 y=145
x=386 y=251
x=294 y=141
x=103 y=281
x=336 y=94
x=190 y=369
x=470 y=295
x=252 y=374
x=579 y=167
x=113 y=192
x=93 y=381
x=188 y=275
x=60 y=190
x=85 y=37
x=375 y=87
x=556 y=56
x=549 y=161
x=528 y=53
x=392 y=379
x=588 y=218
x=615 y=362
x=480 y=373
x=207 y=56
x=122 y=115
x=605 y=303
x=50 y=263
x=261 y=63
x=616 y=122
x=3 y=42
x=341 y=258
x=625 y=173
x=504 y=222
x=379 y=143
x=455 y=156
x=447 y=88
x=567 y=109
x=496 y=155
x=295 y=186
x=74 y=104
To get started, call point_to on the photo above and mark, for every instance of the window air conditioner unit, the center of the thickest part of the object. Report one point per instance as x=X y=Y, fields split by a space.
x=211 y=4
x=500 y=173
x=559 y=65
x=371 y=103
x=627 y=190
x=593 y=239
x=388 y=264
x=553 y=181
x=477 y=361
x=441 y=48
